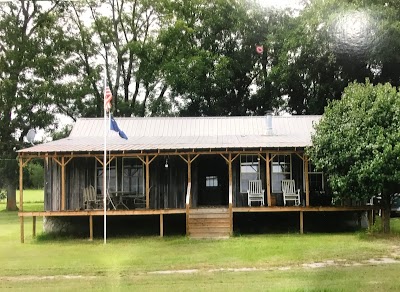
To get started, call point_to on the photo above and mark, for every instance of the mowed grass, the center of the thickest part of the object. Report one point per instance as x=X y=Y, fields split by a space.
x=264 y=262
x=33 y=200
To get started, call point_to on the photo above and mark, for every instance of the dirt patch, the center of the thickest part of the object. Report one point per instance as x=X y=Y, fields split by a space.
x=313 y=265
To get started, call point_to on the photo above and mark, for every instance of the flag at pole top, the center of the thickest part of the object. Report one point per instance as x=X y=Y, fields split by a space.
x=259 y=49
x=107 y=99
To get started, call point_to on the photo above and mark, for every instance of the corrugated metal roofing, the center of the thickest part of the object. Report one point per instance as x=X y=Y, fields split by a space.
x=156 y=133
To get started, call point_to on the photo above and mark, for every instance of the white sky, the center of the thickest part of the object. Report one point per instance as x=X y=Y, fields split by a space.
x=281 y=4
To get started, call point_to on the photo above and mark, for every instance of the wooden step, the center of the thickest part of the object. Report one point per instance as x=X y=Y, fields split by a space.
x=209 y=223
x=208 y=215
x=209 y=210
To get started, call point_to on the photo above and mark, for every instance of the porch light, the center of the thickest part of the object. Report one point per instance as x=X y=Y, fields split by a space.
x=166 y=163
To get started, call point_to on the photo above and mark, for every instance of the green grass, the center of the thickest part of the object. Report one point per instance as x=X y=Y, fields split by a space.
x=33 y=200
x=126 y=263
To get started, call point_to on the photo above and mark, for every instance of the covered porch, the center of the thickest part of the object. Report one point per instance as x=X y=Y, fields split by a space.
x=178 y=183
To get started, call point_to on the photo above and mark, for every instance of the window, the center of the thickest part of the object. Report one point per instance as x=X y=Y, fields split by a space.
x=281 y=169
x=111 y=174
x=211 y=181
x=315 y=179
x=249 y=170
x=133 y=176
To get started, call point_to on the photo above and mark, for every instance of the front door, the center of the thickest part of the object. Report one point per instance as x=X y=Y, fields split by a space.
x=213 y=181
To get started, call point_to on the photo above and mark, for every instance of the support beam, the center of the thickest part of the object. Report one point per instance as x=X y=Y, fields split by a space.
x=62 y=163
x=63 y=183
x=21 y=221
x=307 y=182
x=268 y=178
x=161 y=225
x=90 y=227
x=301 y=222
x=21 y=198
x=147 y=182
x=189 y=163
x=230 y=194
x=34 y=226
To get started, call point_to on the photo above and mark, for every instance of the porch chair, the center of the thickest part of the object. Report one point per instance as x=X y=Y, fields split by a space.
x=90 y=200
x=289 y=192
x=255 y=193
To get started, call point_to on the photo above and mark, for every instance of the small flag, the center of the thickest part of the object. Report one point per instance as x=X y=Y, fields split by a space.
x=107 y=99
x=114 y=127
x=259 y=49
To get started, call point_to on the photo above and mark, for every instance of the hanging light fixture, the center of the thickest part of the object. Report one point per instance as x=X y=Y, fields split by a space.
x=166 y=163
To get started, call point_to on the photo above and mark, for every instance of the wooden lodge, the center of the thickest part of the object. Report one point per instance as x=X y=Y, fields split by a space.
x=198 y=167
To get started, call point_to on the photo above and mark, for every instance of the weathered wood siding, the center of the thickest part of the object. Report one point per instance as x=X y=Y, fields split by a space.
x=80 y=173
x=52 y=186
x=168 y=185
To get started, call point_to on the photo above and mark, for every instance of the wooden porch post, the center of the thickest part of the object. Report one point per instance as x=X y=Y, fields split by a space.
x=189 y=163
x=147 y=182
x=90 y=227
x=21 y=198
x=63 y=183
x=268 y=178
x=230 y=194
x=33 y=226
x=306 y=180
x=189 y=170
x=301 y=222
x=161 y=225
x=62 y=163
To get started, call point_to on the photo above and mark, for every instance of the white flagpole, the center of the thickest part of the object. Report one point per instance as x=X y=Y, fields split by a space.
x=105 y=161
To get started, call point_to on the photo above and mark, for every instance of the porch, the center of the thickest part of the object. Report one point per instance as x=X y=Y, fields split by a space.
x=179 y=183
x=297 y=219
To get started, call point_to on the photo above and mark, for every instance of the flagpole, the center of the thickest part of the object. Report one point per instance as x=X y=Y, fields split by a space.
x=105 y=161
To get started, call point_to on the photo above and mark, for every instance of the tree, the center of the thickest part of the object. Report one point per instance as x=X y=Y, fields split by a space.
x=32 y=49
x=357 y=144
x=335 y=42
x=211 y=62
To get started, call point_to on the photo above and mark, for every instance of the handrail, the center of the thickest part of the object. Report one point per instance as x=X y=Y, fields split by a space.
x=189 y=187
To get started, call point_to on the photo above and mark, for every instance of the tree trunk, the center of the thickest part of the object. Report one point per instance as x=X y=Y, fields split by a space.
x=11 y=197
x=386 y=213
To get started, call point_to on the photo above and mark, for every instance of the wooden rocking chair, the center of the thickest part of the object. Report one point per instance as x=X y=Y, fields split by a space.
x=255 y=193
x=289 y=192
x=90 y=200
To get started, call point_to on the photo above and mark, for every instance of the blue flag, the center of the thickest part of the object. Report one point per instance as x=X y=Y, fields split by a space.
x=114 y=127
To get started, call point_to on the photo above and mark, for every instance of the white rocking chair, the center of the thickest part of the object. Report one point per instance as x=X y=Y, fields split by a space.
x=289 y=192
x=255 y=193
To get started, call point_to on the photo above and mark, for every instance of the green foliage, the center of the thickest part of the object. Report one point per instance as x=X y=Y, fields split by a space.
x=332 y=43
x=356 y=143
x=63 y=133
x=211 y=61
x=36 y=175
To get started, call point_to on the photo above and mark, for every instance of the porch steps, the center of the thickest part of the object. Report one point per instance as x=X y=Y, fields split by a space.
x=209 y=223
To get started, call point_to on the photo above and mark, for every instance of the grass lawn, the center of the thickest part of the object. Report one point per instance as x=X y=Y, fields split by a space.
x=262 y=262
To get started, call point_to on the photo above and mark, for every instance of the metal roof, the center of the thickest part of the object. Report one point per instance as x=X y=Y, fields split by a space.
x=178 y=133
